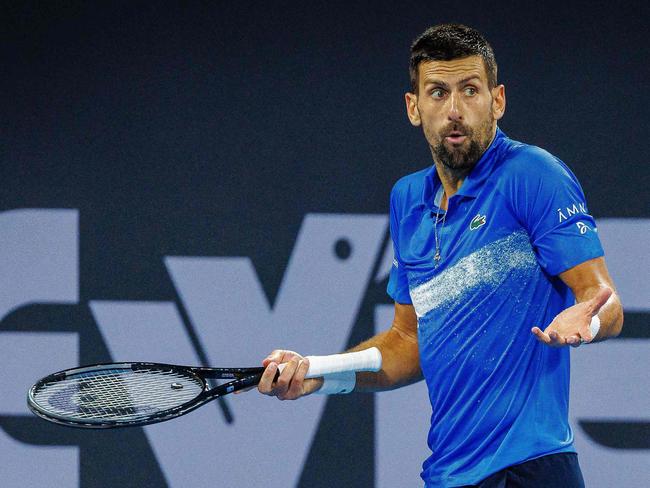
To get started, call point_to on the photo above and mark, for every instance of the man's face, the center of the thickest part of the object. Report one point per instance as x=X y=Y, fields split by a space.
x=456 y=109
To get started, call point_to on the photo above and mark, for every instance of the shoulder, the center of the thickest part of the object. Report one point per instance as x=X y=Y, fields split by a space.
x=408 y=189
x=527 y=164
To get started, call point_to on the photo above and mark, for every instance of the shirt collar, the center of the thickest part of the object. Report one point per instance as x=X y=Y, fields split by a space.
x=474 y=181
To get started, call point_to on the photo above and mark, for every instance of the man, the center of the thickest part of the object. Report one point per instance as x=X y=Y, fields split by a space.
x=498 y=267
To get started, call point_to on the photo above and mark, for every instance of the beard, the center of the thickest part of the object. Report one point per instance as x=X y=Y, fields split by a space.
x=464 y=157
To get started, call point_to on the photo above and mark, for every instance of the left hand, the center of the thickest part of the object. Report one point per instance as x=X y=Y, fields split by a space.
x=571 y=326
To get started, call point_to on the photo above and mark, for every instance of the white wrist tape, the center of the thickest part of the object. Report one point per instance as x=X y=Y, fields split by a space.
x=594 y=326
x=338 y=383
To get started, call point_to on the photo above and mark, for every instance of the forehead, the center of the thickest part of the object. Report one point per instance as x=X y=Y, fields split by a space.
x=454 y=70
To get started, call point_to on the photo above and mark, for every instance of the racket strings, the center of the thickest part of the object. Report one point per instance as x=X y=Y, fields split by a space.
x=118 y=394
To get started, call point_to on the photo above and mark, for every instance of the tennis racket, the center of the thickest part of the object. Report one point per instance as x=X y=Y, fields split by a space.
x=133 y=394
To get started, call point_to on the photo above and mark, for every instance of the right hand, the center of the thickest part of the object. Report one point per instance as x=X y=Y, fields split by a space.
x=291 y=383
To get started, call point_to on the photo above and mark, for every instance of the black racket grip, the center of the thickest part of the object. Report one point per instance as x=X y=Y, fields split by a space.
x=243 y=383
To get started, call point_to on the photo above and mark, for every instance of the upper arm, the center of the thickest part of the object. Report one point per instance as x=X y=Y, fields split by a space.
x=406 y=322
x=402 y=365
x=398 y=287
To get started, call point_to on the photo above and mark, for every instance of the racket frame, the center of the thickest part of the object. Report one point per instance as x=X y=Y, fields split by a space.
x=241 y=378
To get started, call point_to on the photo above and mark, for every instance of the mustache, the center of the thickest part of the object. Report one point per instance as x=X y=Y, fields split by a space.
x=456 y=129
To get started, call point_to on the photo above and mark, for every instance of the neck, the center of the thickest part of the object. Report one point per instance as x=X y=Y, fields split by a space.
x=451 y=179
x=451 y=182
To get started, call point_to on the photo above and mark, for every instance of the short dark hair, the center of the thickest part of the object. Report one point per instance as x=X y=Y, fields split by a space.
x=445 y=42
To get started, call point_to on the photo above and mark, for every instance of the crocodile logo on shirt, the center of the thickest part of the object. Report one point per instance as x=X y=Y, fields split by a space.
x=477 y=222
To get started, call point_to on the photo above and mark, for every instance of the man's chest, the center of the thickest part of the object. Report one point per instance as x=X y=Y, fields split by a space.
x=431 y=241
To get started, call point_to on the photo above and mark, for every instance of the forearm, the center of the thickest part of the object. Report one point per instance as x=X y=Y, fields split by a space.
x=400 y=361
x=400 y=364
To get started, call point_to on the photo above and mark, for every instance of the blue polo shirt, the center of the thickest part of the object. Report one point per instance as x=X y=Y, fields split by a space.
x=499 y=397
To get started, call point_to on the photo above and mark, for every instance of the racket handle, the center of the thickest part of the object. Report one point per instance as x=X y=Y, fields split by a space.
x=366 y=360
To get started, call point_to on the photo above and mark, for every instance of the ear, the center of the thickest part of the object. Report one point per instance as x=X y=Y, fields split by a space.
x=412 y=108
x=498 y=101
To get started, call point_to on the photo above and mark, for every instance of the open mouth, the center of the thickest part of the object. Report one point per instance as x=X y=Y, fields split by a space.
x=455 y=137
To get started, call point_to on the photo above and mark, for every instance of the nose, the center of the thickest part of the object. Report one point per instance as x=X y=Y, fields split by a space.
x=455 y=114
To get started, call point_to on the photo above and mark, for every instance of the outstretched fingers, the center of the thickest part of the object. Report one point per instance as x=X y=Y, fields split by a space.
x=541 y=335
x=552 y=338
x=574 y=341
x=556 y=339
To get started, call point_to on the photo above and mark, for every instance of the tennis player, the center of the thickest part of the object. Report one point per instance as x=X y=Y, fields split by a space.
x=498 y=268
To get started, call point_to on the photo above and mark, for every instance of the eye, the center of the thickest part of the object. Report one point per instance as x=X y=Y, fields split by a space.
x=470 y=91
x=438 y=93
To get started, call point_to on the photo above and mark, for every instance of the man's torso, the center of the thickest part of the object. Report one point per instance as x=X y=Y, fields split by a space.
x=499 y=397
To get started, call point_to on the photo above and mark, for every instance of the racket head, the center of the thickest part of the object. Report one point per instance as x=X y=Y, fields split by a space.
x=118 y=394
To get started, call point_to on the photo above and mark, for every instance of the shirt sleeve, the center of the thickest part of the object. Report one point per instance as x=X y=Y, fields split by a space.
x=398 y=287
x=548 y=201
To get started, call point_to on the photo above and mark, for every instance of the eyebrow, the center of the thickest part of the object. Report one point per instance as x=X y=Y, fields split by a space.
x=433 y=81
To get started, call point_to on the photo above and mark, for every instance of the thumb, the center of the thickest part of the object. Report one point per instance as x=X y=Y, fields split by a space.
x=600 y=299
x=274 y=357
